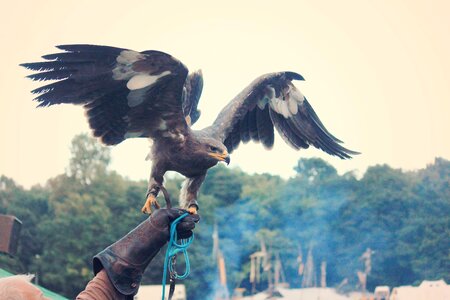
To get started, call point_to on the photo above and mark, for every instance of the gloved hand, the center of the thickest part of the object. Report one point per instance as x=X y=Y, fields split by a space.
x=162 y=218
x=126 y=260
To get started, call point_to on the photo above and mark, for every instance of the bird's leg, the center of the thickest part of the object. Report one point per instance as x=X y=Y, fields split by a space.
x=189 y=191
x=154 y=186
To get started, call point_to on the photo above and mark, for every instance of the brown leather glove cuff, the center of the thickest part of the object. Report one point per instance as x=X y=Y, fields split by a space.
x=126 y=260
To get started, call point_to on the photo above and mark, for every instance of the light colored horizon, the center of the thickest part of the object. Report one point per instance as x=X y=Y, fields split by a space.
x=377 y=74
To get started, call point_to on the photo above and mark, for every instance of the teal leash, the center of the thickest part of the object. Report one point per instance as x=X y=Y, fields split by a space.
x=173 y=248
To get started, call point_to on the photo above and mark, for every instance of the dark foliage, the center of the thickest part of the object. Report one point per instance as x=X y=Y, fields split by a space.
x=402 y=216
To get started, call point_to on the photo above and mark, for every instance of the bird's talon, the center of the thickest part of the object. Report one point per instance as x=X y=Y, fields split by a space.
x=192 y=210
x=147 y=208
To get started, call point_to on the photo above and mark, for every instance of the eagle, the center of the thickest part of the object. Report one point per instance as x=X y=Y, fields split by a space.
x=150 y=94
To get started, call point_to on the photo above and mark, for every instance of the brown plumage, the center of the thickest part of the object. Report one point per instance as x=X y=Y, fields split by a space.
x=150 y=94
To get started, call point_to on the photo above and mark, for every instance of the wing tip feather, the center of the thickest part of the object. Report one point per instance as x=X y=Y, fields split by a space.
x=294 y=76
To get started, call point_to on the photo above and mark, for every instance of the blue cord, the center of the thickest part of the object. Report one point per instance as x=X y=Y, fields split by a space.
x=173 y=248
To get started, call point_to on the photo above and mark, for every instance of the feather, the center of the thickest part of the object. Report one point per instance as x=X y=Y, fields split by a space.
x=55 y=65
x=252 y=126
x=74 y=91
x=82 y=57
x=235 y=138
x=103 y=50
x=108 y=81
x=282 y=128
x=191 y=95
x=51 y=75
x=265 y=127
x=316 y=120
x=244 y=129
x=289 y=112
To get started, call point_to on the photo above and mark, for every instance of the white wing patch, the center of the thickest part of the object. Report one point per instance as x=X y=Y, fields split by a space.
x=136 y=80
x=293 y=106
x=287 y=104
x=131 y=134
x=140 y=81
x=295 y=94
x=127 y=57
x=123 y=70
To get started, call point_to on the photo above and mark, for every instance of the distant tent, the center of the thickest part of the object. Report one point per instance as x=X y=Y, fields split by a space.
x=304 y=293
x=147 y=292
x=47 y=293
x=436 y=290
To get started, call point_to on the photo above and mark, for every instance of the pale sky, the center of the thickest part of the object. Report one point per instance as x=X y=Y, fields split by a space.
x=377 y=73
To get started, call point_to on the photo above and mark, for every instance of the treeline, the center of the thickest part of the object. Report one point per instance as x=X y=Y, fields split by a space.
x=403 y=217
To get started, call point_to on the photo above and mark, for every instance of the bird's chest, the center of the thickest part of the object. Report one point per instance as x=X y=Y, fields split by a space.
x=180 y=159
x=188 y=165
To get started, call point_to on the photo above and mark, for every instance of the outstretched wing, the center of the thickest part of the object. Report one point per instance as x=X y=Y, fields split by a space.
x=273 y=101
x=125 y=93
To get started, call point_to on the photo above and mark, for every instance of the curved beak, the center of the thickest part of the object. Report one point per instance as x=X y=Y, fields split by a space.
x=222 y=157
x=225 y=157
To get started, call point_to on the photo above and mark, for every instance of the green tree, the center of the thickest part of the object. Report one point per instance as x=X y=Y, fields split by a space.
x=402 y=216
x=312 y=169
x=223 y=183
x=425 y=236
x=372 y=220
x=89 y=158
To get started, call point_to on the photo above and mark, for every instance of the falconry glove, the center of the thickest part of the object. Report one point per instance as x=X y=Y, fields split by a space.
x=126 y=260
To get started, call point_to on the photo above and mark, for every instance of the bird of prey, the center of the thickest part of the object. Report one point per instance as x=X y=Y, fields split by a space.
x=150 y=94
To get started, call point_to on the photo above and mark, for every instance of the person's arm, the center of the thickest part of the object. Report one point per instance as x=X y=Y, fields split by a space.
x=118 y=269
x=100 y=287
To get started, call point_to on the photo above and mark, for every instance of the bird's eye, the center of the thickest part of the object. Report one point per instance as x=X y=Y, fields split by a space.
x=213 y=149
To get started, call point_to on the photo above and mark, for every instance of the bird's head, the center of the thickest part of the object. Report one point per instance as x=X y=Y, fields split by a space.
x=215 y=150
